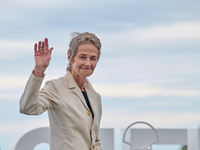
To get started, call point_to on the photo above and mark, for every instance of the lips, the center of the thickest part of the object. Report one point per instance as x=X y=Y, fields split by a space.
x=86 y=68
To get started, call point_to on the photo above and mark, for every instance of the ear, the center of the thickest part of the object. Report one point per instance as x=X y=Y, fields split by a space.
x=68 y=57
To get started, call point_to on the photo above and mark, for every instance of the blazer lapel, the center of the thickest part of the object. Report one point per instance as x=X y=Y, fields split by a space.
x=73 y=86
x=91 y=96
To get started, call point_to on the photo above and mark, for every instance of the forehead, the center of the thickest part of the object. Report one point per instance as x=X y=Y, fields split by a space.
x=87 y=48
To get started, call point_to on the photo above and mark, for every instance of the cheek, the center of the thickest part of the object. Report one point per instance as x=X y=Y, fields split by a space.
x=94 y=64
x=77 y=64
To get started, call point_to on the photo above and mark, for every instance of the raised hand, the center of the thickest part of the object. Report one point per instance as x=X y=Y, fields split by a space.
x=42 y=55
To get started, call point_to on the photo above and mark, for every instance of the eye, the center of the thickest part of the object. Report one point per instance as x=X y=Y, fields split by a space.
x=93 y=58
x=82 y=57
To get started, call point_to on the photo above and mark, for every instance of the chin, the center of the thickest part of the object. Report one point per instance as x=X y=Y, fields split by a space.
x=87 y=74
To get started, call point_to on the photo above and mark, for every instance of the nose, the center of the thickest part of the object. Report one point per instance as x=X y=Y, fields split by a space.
x=87 y=62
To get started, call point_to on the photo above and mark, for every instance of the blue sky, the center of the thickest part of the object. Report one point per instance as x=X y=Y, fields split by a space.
x=149 y=68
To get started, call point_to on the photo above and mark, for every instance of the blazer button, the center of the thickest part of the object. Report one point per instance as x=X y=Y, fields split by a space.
x=89 y=113
x=92 y=146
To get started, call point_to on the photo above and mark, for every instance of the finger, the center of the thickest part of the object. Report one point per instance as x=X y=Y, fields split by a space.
x=46 y=44
x=39 y=45
x=50 y=50
x=35 y=47
x=42 y=47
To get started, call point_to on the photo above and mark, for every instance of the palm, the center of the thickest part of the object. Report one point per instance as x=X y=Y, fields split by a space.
x=42 y=54
x=42 y=58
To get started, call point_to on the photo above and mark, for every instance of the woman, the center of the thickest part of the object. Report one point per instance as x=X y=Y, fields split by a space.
x=73 y=106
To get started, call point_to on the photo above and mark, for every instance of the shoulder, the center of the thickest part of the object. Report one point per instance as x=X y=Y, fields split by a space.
x=90 y=88
x=98 y=95
x=59 y=82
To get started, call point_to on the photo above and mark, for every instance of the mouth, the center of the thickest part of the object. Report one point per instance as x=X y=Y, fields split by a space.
x=86 y=68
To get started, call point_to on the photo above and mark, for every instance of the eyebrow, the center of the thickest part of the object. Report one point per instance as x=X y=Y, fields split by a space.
x=90 y=56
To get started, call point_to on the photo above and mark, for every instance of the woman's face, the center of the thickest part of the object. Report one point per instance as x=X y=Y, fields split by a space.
x=84 y=61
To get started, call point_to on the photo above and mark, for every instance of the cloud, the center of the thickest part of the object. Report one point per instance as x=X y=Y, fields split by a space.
x=15 y=84
x=21 y=126
x=9 y=96
x=13 y=48
x=142 y=89
x=119 y=118
x=12 y=82
x=170 y=32
x=160 y=34
x=182 y=33
x=44 y=4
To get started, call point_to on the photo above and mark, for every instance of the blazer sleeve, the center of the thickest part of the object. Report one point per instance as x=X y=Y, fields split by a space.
x=35 y=101
x=98 y=144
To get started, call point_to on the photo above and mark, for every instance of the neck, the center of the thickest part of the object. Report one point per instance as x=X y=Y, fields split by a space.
x=79 y=81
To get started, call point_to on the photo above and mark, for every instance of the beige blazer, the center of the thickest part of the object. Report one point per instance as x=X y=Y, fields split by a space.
x=71 y=123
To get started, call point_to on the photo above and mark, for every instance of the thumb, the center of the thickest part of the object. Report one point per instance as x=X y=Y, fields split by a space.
x=50 y=50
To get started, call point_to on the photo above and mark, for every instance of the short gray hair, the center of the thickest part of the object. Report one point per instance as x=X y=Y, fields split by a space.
x=81 y=38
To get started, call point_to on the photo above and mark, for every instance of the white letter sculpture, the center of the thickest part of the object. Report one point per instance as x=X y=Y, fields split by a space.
x=145 y=147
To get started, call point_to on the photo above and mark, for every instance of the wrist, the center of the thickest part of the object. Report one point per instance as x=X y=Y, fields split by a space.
x=39 y=71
